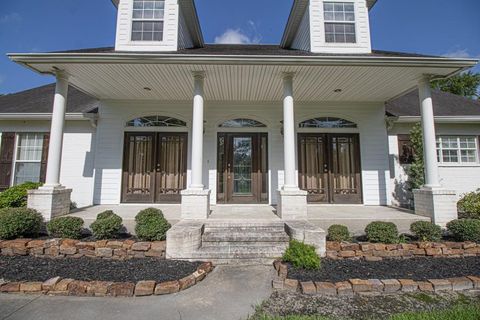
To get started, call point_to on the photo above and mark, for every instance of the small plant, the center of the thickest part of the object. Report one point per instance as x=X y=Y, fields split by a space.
x=465 y=229
x=469 y=205
x=302 y=255
x=107 y=225
x=16 y=196
x=426 y=231
x=416 y=176
x=65 y=227
x=383 y=232
x=19 y=222
x=338 y=232
x=151 y=225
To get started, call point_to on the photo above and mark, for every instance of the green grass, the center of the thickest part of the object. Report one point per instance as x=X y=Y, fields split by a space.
x=460 y=312
x=423 y=297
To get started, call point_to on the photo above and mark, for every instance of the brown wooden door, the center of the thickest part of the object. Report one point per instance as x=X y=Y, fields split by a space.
x=171 y=166
x=242 y=168
x=329 y=167
x=154 y=167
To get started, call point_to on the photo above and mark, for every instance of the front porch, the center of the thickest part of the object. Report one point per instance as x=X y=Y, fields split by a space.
x=355 y=217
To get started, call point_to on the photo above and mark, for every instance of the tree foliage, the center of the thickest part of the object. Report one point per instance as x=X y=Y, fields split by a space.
x=416 y=171
x=466 y=84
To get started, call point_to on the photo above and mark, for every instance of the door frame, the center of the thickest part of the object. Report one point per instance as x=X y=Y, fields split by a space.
x=358 y=199
x=154 y=198
x=229 y=197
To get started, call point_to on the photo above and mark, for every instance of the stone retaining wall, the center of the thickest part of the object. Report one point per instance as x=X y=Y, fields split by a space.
x=378 y=251
x=71 y=287
x=107 y=249
x=358 y=286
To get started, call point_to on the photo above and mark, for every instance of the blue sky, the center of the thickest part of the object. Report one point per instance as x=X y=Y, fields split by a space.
x=439 y=27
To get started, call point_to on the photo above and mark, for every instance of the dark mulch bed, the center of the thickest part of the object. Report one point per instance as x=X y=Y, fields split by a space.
x=415 y=268
x=28 y=268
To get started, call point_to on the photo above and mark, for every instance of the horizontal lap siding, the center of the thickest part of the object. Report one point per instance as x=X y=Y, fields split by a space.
x=302 y=38
x=77 y=157
x=184 y=38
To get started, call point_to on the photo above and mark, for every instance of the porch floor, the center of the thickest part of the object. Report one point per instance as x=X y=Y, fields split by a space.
x=356 y=217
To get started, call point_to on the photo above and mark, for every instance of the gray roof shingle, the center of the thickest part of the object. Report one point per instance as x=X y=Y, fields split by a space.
x=40 y=100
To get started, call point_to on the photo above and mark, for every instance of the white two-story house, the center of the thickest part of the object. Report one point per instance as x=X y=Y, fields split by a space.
x=163 y=118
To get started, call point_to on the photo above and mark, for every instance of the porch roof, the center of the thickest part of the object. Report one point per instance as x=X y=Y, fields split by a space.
x=242 y=73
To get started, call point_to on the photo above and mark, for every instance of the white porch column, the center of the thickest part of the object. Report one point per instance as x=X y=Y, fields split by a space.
x=195 y=199
x=432 y=200
x=52 y=199
x=292 y=202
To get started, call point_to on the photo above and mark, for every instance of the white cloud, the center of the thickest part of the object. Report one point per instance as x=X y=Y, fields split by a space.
x=231 y=36
x=239 y=36
x=461 y=53
x=10 y=18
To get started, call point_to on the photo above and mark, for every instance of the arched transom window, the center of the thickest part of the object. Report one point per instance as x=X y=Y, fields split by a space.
x=242 y=123
x=327 y=122
x=156 y=121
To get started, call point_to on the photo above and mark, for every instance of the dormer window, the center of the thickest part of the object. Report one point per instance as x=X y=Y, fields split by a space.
x=147 y=20
x=339 y=22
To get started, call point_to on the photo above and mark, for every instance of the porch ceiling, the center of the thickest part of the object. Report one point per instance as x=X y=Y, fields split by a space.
x=124 y=77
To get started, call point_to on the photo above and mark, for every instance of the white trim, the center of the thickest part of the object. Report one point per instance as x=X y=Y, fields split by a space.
x=438 y=119
x=47 y=116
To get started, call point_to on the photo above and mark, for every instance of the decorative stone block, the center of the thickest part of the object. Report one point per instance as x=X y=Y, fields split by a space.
x=408 y=285
x=344 y=288
x=50 y=202
x=78 y=288
x=461 y=283
x=283 y=271
x=376 y=285
x=122 y=289
x=186 y=282
x=144 y=288
x=326 y=288
x=391 y=285
x=99 y=288
x=476 y=281
x=50 y=283
x=199 y=275
x=62 y=285
x=360 y=285
x=30 y=287
x=167 y=287
x=308 y=288
x=206 y=266
x=195 y=204
x=425 y=286
x=373 y=259
x=292 y=205
x=291 y=285
x=10 y=287
x=114 y=244
x=277 y=283
x=104 y=252
x=441 y=284
x=141 y=246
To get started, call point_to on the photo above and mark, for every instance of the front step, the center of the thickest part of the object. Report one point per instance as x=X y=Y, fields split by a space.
x=247 y=236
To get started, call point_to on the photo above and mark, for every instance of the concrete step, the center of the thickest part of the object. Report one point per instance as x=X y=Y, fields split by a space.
x=240 y=252
x=246 y=236
x=219 y=244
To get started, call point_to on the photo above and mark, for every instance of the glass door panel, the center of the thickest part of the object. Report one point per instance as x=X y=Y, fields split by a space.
x=242 y=166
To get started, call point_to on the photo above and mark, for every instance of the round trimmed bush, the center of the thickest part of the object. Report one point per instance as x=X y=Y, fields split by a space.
x=65 y=227
x=16 y=196
x=105 y=214
x=469 y=205
x=302 y=255
x=338 y=232
x=426 y=231
x=465 y=229
x=19 y=222
x=107 y=226
x=383 y=232
x=151 y=225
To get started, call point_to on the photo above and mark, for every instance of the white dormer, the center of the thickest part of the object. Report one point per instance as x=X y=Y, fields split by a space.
x=157 y=25
x=329 y=26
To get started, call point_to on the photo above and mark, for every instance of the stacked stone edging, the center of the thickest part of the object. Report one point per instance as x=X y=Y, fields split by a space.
x=106 y=249
x=359 y=286
x=71 y=287
x=377 y=251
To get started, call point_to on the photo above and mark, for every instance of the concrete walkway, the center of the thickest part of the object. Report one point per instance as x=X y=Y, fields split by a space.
x=229 y=292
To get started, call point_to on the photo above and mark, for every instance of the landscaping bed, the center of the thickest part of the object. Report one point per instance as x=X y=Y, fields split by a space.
x=28 y=268
x=418 y=269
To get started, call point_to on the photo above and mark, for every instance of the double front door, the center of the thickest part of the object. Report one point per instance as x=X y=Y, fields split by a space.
x=154 y=167
x=242 y=168
x=329 y=167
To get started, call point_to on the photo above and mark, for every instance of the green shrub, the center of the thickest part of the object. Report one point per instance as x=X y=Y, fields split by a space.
x=16 y=196
x=426 y=231
x=19 y=222
x=465 y=229
x=383 y=232
x=66 y=227
x=302 y=255
x=106 y=226
x=338 y=232
x=151 y=225
x=469 y=205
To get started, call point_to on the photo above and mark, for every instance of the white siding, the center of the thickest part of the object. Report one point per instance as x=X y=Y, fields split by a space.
x=317 y=30
x=461 y=178
x=124 y=28
x=114 y=114
x=77 y=157
x=302 y=38
x=184 y=37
